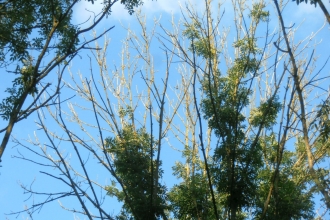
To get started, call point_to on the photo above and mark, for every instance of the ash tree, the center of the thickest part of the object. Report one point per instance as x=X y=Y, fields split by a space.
x=251 y=170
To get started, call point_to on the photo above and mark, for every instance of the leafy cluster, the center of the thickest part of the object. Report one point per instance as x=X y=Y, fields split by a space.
x=190 y=199
x=258 y=13
x=8 y=104
x=131 y=4
x=199 y=44
x=312 y=2
x=38 y=16
x=265 y=114
x=134 y=166
x=322 y=122
x=289 y=200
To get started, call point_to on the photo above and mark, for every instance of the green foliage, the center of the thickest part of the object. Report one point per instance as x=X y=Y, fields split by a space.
x=228 y=98
x=191 y=31
x=290 y=199
x=247 y=46
x=123 y=112
x=8 y=104
x=204 y=49
x=312 y=2
x=199 y=44
x=322 y=122
x=21 y=84
x=257 y=12
x=27 y=76
x=131 y=4
x=19 y=20
x=246 y=61
x=39 y=16
x=237 y=157
x=265 y=115
x=190 y=199
x=134 y=166
x=235 y=173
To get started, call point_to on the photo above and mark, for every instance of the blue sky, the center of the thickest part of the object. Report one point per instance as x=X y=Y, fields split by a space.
x=15 y=172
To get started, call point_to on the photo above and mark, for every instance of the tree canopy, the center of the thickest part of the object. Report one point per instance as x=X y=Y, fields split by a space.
x=232 y=110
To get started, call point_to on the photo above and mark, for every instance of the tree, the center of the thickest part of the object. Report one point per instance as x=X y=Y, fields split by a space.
x=223 y=108
x=45 y=28
x=243 y=117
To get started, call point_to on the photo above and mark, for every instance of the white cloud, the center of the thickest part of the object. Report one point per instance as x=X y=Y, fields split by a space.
x=309 y=12
x=86 y=10
x=153 y=8
x=168 y=6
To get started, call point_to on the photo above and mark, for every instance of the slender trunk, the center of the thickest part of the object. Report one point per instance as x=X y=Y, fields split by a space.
x=233 y=210
x=12 y=120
